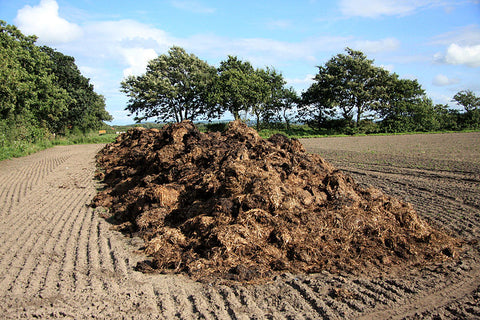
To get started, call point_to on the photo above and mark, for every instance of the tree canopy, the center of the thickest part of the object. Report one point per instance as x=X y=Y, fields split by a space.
x=351 y=86
x=42 y=90
x=349 y=82
x=28 y=90
x=468 y=100
x=349 y=94
x=85 y=108
x=176 y=86
x=238 y=86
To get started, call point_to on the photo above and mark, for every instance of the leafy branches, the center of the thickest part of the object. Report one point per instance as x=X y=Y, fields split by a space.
x=175 y=86
x=349 y=94
x=178 y=86
x=349 y=83
x=42 y=93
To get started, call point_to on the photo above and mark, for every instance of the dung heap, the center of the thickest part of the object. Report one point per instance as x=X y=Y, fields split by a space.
x=234 y=206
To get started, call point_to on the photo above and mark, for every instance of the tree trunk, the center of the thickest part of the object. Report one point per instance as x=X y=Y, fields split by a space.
x=176 y=114
x=287 y=122
x=236 y=114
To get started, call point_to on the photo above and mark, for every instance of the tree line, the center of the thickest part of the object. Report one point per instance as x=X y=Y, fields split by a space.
x=349 y=95
x=42 y=92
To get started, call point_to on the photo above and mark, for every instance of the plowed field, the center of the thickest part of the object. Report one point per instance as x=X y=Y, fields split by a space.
x=59 y=259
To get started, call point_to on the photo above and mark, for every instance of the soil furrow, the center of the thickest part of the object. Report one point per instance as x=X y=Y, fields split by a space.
x=315 y=307
x=165 y=301
x=221 y=309
x=58 y=259
x=36 y=233
x=247 y=300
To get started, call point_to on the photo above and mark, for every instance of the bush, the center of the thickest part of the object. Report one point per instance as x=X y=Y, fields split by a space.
x=216 y=126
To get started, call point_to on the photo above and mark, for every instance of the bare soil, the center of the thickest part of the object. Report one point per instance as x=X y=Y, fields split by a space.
x=59 y=259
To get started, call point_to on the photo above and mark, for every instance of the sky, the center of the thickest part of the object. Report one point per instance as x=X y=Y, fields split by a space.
x=436 y=42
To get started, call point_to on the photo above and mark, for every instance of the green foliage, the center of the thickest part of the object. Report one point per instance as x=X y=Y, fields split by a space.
x=448 y=118
x=176 y=86
x=294 y=131
x=28 y=86
x=316 y=106
x=85 y=109
x=412 y=116
x=42 y=93
x=36 y=139
x=468 y=100
x=179 y=86
x=349 y=87
x=288 y=100
x=216 y=126
x=269 y=102
x=471 y=103
x=349 y=83
x=260 y=92
x=238 y=86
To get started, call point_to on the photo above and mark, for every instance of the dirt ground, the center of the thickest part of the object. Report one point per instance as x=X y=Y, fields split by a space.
x=58 y=259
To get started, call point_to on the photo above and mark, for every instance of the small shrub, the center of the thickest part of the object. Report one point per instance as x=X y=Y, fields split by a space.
x=216 y=126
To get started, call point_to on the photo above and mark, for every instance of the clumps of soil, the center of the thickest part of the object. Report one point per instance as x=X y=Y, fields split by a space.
x=238 y=207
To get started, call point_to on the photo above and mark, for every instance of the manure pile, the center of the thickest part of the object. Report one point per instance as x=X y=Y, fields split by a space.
x=234 y=206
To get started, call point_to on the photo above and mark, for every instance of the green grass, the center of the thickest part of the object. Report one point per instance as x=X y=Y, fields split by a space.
x=295 y=131
x=17 y=149
x=303 y=131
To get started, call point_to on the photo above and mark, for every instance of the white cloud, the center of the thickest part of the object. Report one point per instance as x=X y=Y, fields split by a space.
x=375 y=46
x=263 y=51
x=308 y=80
x=127 y=43
x=43 y=21
x=137 y=59
x=90 y=72
x=193 y=6
x=388 y=67
x=460 y=55
x=463 y=46
x=123 y=30
x=377 y=8
x=374 y=8
x=464 y=36
x=441 y=80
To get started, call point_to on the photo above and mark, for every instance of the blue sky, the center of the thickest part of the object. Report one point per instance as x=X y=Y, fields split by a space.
x=434 y=41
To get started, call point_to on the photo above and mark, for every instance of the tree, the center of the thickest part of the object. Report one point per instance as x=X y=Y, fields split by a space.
x=238 y=86
x=471 y=103
x=317 y=104
x=349 y=82
x=86 y=108
x=41 y=91
x=468 y=100
x=288 y=101
x=28 y=92
x=418 y=116
x=404 y=106
x=269 y=91
x=176 y=86
x=448 y=118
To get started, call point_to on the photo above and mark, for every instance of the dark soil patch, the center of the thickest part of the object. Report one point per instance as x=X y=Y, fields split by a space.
x=237 y=207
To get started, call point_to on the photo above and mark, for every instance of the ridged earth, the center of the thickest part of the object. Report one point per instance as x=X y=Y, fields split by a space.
x=60 y=260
